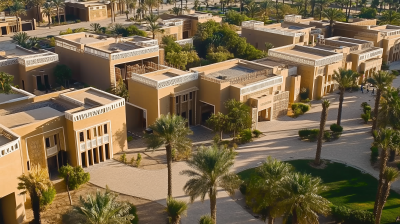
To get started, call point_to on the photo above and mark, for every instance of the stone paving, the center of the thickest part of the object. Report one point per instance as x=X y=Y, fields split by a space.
x=280 y=141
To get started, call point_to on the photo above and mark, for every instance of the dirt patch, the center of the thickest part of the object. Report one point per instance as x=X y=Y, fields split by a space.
x=320 y=167
x=60 y=212
x=151 y=160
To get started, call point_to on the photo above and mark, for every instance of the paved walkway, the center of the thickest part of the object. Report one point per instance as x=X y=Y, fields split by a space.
x=281 y=142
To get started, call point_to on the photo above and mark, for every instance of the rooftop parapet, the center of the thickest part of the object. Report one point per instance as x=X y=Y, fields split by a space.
x=15 y=95
x=354 y=44
x=26 y=58
x=9 y=141
x=292 y=18
x=258 y=25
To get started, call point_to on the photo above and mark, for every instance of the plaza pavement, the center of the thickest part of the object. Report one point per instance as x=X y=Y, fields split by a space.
x=281 y=142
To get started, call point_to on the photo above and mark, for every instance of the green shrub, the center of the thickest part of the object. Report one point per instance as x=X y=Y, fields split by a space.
x=374 y=154
x=130 y=138
x=304 y=133
x=327 y=135
x=77 y=21
x=243 y=188
x=336 y=128
x=395 y=72
x=138 y=160
x=300 y=108
x=342 y=214
x=366 y=117
x=245 y=136
x=77 y=176
x=122 y=158
x=257 y=133
x=313 y=134
x=47 y=197
x=310 y=134
x=363 y=104
x=133 y=161
x=216 y=138
x=133 y=211
x=367 y=108
x=206 y=219
x=298 y=112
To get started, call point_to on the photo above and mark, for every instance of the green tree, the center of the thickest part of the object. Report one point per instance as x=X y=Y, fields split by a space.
x=17 y=9
x=219 y=123
x=390 y=17
x=120 y=90
x=390 y=175
x=181 y=59
x=77 y=176
x=333 y=15
x=218 y=54
x=266 y=9
x=133 y=30
x=153 y=26
x=21 y=38
x=48 y=10
x=368 y=13
x=176 y=209
x=264 y=190
x=268 y=46
x=210 y=169
x=234 y=17
x=322 y=5
x=239 y=116
x=176 y=11
x=345 y=79
x=62 y=74
x=302 y=198
x=381 y=80
x=324 y=117
x=103 y=208
x=59 y=4
x=35 y=182
x=172 y=132
x=6 y=81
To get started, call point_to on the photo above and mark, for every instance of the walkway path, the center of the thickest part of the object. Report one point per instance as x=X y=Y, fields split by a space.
x=281 y=142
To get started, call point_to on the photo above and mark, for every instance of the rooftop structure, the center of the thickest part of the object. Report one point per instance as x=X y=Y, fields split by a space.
x=15 y=95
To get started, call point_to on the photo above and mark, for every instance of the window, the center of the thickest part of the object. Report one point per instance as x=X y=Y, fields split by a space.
x=177 y=99
x=55 y=139
x=105 y=129
x=191 y=95
x=28 y=165
x=185 y=97
x=88 y=134
x=94 y=132
x=47 y=142
x=81 y=138
x=99 y=130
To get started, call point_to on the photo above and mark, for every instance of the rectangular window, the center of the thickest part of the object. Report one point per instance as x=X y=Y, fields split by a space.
x=28 y=165
x=47 y=142
x=191 y=95
x=55 y=139
x=81 y=138
x=177 y=99
x=99 y=130
x=185 y=97
x=94 y=132
x=88 y=136
x=105 y=129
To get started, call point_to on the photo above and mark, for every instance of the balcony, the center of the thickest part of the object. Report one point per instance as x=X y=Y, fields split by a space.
x=185 y=41
x=52 y=151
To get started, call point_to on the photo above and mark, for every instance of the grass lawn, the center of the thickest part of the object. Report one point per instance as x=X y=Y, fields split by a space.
x=347 y=186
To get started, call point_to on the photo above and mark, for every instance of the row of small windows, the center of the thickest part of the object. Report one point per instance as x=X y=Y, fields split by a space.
x=47 y=141
x=184 y=97
x=96 y=132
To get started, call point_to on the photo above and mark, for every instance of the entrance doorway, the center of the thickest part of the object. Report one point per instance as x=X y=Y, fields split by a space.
x=185 y=34
x=46 y=82
x=206 y=111
x=264 y=115
x=96 y=155
x=83 y=159
x=52 y=166
x=39 y=82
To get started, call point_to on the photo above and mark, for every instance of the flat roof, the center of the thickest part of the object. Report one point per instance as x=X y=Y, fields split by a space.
x=16 y=52
x=231 y=72
x=91 y=94
x=4 y=140
x=255 y=80
x=6 y=97
x=298 y=52
x=29 y=117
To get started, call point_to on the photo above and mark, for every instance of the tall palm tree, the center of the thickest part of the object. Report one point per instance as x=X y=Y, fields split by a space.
x=252 y=9
x=35 y=182
x=381 y=80
x=151 y=18
x=170 y=131
x=48 y=10
x=210 y=170
x=322 y=5
x=383 y=139
x=324 y=117
x=59 y=4
x=302 y=199
x=390 y=17
x=390 y=175
x=345 y=79
x=333 y=15
x=17 y=9
x=154 y=28
x=264 y=189
x=389 y=112
x=103 y=208
x=176 y=209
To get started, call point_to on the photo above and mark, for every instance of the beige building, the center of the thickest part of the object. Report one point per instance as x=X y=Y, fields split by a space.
x=88 y=10
x=79 y=127
x=8 y=24
x=100 y=61
x=32 y=69
x=201 y=92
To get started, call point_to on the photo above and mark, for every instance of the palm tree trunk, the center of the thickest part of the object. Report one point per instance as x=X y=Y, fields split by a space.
x=270 y=219
x=384 y=196
x=213 y=206
x=58 y=15
x=38 y=11
x=49 y=21
x=312 y=7
x=294 y=217
x=220 y=135
x=112 y=12
x=320 y=12
x=331 y=28
x=35 y=201
x=376 y=110
x=384 y=157
x=324 y=117
x=339 y=116
x=16 y=16
x=169 y=165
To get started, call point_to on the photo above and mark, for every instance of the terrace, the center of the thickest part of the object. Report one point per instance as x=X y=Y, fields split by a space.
x=282 y=29
x=25 y=57
x=354 y=44
x=15 y=95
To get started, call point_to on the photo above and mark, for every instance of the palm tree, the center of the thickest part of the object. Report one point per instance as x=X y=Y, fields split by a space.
x=48 y=11
x=37 y=4
x=35 y=182
x=383 y=139
x=390 y=17
x=95 y=27
x=265 y=9
x=389 y=113
x=176 y=11
x=333 y=15
x=170 y=131
x=381 y=80
x=6 y=81
x=59 y=4
x=210 y=170
x=252 y=9
x=112 y=4
x=324 y=117
x=264 y=189
x=302 y=199
x=175 y=209
x=16 y=10
x=322 y=5
x=390 y=175
x=268 y=46
x=103 y=208
x=154 y=28
x=132 y=7
x=21 y=38
x=345 y=79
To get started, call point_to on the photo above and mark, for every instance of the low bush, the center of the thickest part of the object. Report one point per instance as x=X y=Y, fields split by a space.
x=374 y=154
x=336 y=128
x=297 y=112
x=245 y=136
x=77 y=176
x=327 y=135
x=122 y=158
x=304 y=133
x=47 y=197
x=77 y=21
x=243 y=188
x=342 y=214
x=138 y=160
x=366 y=117
x=133 y=161
x=133 y=211
x=310 y=134
x=303 y=107
x=257 y=133
x=130 y=138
